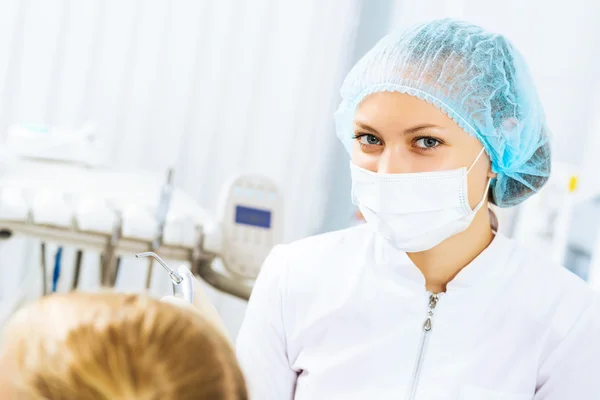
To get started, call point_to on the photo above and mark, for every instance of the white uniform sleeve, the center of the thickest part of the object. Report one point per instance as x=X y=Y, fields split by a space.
x=261 y=343
x=572 y=371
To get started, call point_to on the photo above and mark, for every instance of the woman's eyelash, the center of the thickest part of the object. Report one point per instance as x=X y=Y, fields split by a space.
x=420 y=143
x=360 y=135
x=436 y=143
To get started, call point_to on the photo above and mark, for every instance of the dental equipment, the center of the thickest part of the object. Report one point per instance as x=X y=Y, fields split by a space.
x=250 y=225
x=108 y=259
x=84 y=146
x=77 y=273
x=57 y=269
x=44 y=269
x=182 y=279
x=115 y=214
x=161 y=218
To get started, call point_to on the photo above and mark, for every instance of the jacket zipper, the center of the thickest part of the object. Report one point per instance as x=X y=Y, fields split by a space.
x=427 y=325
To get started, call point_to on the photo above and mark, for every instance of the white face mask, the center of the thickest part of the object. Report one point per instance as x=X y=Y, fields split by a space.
x=415 y=211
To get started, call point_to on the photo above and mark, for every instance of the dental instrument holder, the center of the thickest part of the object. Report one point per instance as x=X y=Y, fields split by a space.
x=182 y=279
x=114 y=243
x=44 y=269
x=162 y=210
x=108 y=267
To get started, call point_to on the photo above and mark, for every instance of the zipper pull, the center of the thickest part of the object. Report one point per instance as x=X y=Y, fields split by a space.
x=427 y=325
x=433 y=300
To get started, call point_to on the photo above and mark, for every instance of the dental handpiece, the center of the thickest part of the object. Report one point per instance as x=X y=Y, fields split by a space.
x=182 y=279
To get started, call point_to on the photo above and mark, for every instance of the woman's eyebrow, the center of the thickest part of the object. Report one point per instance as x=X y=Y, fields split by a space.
x=409 y=131
x=418 y=128
x=366 y=127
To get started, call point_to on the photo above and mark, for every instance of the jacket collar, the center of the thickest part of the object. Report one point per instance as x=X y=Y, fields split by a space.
x=490 y=263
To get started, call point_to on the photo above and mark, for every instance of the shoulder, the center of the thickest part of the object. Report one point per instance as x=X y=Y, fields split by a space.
x=326 y=254
x=320 y=254
x=317 y=262
x=326 y=244
x=554 y=294
x=554 y=280
x=568 y=309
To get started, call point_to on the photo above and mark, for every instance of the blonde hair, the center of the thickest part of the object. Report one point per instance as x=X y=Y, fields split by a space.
x=109 y=346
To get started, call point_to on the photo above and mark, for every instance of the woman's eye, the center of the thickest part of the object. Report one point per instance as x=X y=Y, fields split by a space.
x=427 y=143
x=367 y=139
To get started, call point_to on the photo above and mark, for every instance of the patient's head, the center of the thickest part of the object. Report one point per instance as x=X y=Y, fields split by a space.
x=108 y=346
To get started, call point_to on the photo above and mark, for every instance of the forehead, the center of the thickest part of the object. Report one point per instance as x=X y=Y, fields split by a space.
x=400 y=109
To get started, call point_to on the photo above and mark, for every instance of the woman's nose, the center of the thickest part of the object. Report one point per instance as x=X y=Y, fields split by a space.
x=393 y=161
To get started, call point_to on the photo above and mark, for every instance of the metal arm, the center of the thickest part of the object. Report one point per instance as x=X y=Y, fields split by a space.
x=175 y=277
x=221 y=281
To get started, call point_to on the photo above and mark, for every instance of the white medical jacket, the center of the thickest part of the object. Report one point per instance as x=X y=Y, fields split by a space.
x=345 y=316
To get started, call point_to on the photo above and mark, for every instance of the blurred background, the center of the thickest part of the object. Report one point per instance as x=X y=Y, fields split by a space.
x=214 y=88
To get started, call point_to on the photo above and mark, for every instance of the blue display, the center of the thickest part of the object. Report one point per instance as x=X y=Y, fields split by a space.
x=252 y=217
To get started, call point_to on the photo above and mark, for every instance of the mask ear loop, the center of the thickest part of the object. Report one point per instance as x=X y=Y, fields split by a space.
x=476 y=159
x=487 y=186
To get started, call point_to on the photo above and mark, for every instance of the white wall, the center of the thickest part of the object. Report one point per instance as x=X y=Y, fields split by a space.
x=212 y=87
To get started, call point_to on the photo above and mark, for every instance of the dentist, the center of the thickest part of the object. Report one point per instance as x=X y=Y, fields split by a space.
x=426 y=300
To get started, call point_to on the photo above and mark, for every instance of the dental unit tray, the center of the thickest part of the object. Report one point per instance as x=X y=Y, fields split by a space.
x=119 y=214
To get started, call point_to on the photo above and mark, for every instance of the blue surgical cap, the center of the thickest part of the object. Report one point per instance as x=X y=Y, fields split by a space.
x=475 y=77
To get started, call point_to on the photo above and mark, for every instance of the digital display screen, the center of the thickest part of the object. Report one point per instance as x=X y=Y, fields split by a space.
x=252 y=217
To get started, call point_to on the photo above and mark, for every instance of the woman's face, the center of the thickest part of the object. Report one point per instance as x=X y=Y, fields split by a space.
x=399 y=133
